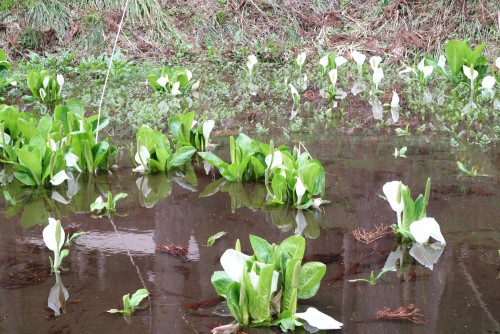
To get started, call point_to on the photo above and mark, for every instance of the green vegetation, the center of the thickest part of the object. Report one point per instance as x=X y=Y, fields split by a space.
x=131 y=304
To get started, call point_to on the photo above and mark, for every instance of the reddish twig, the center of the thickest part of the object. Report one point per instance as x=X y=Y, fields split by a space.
x=173 y=249
x=408 y=312
x=369 y=236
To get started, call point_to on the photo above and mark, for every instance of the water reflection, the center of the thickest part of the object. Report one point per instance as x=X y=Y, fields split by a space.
x=58 y=296
x=403 y=256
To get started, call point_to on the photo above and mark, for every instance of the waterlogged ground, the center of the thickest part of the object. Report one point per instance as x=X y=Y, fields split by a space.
x=460 y=295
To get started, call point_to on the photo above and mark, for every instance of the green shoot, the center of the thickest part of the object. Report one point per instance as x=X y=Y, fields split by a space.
x=213 y=238
x=400 y=132
x=131 y=304
x=400 y=153
x=373 y=280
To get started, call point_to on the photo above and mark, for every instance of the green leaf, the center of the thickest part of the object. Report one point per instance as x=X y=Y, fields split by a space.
x=262 y=249
x=311 y=274
x=76 y=107
x=138 y=296
x=32 y=162
x=233 y=301
x=292 y=281
x=221 y=282
x=294 y=246
x=145 y=136
x=456 y=53
x=259 y=308
x=25 y=178
x=473 y=56
x=180 y=157
x=213 y=238
x=27 y=128
x=99 y=153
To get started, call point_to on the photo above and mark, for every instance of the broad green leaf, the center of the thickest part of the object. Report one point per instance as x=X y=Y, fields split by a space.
x=180 y=157
x=473 y=56
x=88 y=160
x=233 y=301
x=32 y=162
x=292 y=280
x=294 y=246
x=409 y=209
x=25 y=178
x=221 y=282
x=138 y=296
x=76 y=107
x=456 y=53
x=44 y=127
x=27 y=128
x=146 y=137
x=99 y=153
x=262 y=249
x=311 y=274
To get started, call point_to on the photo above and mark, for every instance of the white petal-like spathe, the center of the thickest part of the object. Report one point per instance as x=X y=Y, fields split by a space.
x=71 y=161
x=50 y=237
x=375 y=61
x=42 y=93
x=293 y=90
x=358 y=57
x=426 y=70
x=427 y=255
x=488 y=82
x=207 y=129
x=162 y=81
x=60 y=80
x=46 y=81
x=233 y=263
x=470 y=73
x=333 y=76
x=300 y=189
x=442 y=62
x=497 y=63
x=395 y=100
x=301 y=59
x=195 y=86
x=277 y=160
x=425 y=228
x=142 y=156
x=390 y=190
x=59 y=178
x=189 y=74
x=5 y=139
x=378 y=75
x=251 y=62
x=324 y=61
x=319 y=320
x=339 y=61
x=175 y=88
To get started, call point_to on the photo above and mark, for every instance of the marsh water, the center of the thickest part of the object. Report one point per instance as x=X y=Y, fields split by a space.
x=459 y=295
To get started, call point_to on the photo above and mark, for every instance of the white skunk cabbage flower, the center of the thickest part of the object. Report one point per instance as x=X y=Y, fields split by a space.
x=53 y=236
x=59 y=178
x=207 y=129
x=425 y=228
x=378 y=75
x=300 y=190
x=497 y=63
x=189 y=74
x=277 y=159
x=162 y=81
x=233 y=263
x=333 y=76
x=324 y=62
x=470 y=73
x=339 y=61
x=358 y=57
x=60 y=81
x=251 y=62
x=141 y=157
x=392 y=191
x=46 y=81
x=195 y=86
x=375 y=61
x=377 y=108
x=441 y=62
x=42 y=93
x=426 y=70
x=319 y=320
x=301 y=59
x=175 y=88
x=395 y=107
x=488 y=82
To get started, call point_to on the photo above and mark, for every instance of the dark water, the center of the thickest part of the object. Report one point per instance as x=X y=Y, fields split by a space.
x=460 y=295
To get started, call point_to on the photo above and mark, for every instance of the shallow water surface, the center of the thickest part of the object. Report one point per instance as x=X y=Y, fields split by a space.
x=460 y=294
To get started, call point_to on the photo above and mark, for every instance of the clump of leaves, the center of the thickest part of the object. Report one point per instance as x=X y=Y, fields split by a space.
x=109 y=206
x=213 y=238
x=131 y=304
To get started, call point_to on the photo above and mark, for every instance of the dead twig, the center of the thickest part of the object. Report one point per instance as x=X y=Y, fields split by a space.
x=408 y=312
x=369 y=236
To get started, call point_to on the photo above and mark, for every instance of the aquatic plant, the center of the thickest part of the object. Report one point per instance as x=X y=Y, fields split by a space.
x=213 y=238
x=359 y=58
x=296 y=102
x=471 y=74
x=45 y=87
x=469 y=171
x=251 y=62
x=330 y=64
x=400 y=153
x=270 y=282
x=155 y=155
x=109 y=206
x=131 y=304
x=373 y=280
x=301 y=79
x=378 y=75
x=6 y=78
x=186 y=131
x=460 y=54
x=395 y=107
x=53 y=236
x=171 y=80
x=414 y=225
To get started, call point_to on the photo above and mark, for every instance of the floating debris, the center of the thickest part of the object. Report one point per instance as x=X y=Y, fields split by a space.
x=408 y=312
x=173 y=249
x=369 y=236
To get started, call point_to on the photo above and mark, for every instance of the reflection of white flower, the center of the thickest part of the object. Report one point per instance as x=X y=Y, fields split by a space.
x=395 y=106
x=392 y=191
x=377 y=108
x=425 y=228
x=207 y=129
x=319 y=320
